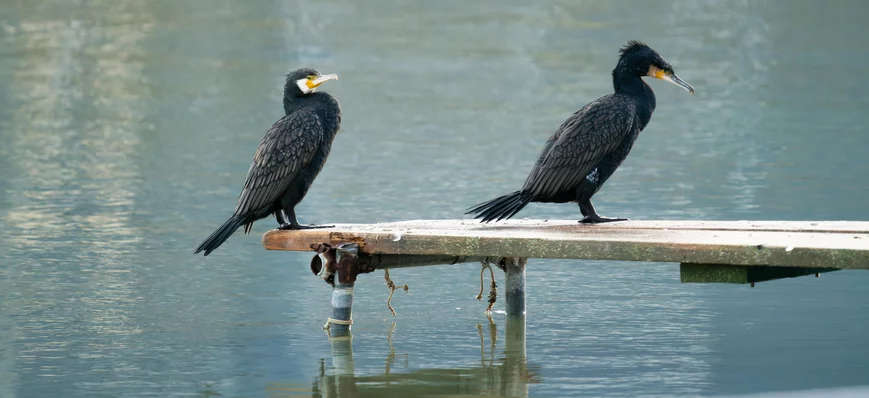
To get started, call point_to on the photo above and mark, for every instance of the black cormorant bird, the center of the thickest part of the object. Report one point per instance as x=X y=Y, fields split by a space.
x=592 y=143
x=288 y=159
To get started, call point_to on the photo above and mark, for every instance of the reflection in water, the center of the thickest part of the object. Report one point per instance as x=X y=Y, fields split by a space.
x=115 y=113
x=508 y=375
x=7 y=356
x=79 y=89
x=390 y=359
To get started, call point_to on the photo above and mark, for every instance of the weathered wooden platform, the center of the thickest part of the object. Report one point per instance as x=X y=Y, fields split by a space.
x=815 y=244
x=708 y=251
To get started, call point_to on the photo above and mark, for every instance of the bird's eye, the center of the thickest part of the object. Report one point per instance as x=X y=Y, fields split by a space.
x=312 y=77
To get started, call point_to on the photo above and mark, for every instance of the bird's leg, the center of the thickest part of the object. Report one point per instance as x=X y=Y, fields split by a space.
x=279 y=217
x=284 y=222
x=591 y=216
x=289 y=221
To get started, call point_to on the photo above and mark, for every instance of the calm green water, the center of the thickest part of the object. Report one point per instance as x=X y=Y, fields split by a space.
x=127 y=128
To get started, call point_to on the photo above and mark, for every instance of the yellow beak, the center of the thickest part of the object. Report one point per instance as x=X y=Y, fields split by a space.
x=314 y=83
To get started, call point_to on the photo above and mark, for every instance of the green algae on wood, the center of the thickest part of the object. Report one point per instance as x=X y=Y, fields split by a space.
x=718 y=273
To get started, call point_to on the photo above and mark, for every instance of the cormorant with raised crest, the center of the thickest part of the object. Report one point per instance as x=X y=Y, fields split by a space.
x=591 y=144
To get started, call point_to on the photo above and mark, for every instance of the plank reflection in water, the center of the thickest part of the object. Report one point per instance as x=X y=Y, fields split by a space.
x=507 y=376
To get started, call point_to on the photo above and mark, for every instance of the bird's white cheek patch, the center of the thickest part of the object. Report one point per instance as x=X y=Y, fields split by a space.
x=303 y=85
x=655 y=72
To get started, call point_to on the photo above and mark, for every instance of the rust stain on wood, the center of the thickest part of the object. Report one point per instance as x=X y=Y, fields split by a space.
x=344 y=237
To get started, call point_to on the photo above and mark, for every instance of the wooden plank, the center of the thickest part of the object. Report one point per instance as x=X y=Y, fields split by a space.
x=791 y=226
x=818 y=244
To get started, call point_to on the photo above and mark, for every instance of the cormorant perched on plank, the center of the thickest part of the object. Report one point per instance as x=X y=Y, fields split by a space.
x=288 y=159
x=592 y=143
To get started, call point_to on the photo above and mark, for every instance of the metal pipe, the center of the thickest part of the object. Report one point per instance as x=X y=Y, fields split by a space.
x=323 y=264
x=386 y=261
x=342 y=308
x=346 y=270
x=320 y=265
x=514 y=269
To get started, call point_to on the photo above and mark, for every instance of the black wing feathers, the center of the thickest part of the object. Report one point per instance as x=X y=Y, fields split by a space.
x=288 y=146
x=576 y=148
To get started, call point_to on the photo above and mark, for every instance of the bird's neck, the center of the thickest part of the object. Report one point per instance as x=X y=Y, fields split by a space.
x=293 y=101
x=642 y=94
x=290 y=103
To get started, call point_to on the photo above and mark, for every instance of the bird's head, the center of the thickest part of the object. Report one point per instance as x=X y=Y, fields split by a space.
x=305 y=81
x=641 y=60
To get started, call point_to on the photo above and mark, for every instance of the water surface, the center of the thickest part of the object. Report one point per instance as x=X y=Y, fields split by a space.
x=128 y=127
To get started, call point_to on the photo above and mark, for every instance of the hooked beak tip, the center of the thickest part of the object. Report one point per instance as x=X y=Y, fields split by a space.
x=679 y=82
x=324 y=78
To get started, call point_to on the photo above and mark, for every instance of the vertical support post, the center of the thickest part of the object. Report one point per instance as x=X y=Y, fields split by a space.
x=514 y=269
x=346 y=269
x=342 y=306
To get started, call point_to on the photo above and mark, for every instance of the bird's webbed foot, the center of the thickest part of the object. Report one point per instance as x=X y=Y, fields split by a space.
x=597 y=219
x=287 y=227
x=591 y=216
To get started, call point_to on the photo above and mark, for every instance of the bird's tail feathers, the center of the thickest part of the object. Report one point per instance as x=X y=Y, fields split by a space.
x=220 y=235
x=502 y=207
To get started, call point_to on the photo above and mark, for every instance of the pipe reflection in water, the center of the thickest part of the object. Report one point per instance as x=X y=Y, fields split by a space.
x=342 y=382
x=515 y=364
x=507 y=376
